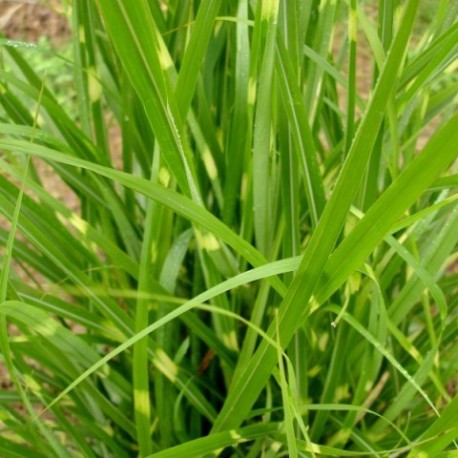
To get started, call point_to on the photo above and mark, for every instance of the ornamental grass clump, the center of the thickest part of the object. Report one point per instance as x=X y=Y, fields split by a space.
x=253 y=250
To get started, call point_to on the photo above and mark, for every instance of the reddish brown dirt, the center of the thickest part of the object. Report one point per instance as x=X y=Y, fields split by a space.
x=29 y=20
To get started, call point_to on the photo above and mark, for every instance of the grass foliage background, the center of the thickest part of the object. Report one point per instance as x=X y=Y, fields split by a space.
x=257 y=252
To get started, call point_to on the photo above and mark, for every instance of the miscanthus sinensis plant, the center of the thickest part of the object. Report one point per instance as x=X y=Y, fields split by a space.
x=256 y=252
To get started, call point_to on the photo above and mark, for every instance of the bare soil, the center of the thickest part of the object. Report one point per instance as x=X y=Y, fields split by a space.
x=28 y=20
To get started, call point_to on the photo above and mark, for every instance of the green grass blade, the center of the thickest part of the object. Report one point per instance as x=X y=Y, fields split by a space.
x=247 y=388
x=206 y=445
x=195 y=52
x=387 y=209
x=301 y=132
x=440 y=434
x=177 y=202
x=146 y=68
x=266 y=21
